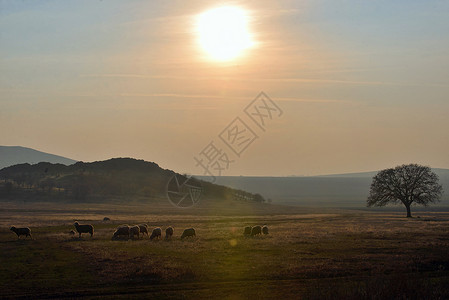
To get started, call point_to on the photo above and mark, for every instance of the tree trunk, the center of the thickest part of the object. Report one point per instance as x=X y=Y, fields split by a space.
x=409 y=214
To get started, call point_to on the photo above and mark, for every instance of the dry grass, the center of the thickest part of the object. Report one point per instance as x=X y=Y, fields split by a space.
x=329 y=255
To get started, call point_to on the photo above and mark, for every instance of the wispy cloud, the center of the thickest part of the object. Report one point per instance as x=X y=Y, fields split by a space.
x=303 y=80
x=116 y=76
x=171 y=95
x=292 y=99
x=280 y=80
x=228 y=97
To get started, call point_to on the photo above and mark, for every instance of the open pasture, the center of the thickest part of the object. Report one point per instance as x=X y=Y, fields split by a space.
x=307 y=254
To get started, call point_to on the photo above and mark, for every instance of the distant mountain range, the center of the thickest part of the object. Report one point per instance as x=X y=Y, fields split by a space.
x=442 y=173
x=338 y=190
x=13 y=155
x=125 y=176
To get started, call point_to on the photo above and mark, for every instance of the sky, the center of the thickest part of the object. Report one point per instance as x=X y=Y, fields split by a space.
x=349 y=86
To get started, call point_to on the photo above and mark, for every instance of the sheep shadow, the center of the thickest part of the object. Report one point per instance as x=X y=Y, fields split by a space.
x=257 y=236
x=74 y=239
x=122 y=239
x=18 y=241
x=189 y=239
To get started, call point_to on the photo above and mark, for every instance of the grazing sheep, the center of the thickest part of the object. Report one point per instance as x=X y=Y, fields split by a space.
x=256 y=230
x=134 y=230
x=84 y=229
x=21 y=231
x=264 y=229
x=247 y=230
x=188 y=232
x=71 y=232
x=168 y=232
x=106 y=219
x=122 y=230
x=157 y=233
x=143 y=229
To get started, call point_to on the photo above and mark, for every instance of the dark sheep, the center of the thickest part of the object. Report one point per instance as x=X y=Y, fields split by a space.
x=256 y=230
x=134 y=230
x=106 y=219
x=21 y=231
x=157 y=233
x=264 y=229
x=122 y=230
x=169 y=232
x=84 y=229
x=247 y=230
x=188 y=232
x=143 y=229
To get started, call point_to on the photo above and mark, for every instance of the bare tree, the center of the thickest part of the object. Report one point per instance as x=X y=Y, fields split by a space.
x=406 y=184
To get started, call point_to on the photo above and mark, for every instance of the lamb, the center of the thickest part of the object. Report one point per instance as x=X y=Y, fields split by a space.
x=84 y=229
x=188 y=232
x=256 y=230
x=26 y=231
x=143 y=229
x=157 y=233
x=264 y=229
x=122 y=230
x=168 y=232
x=134 y=230
x=247 y=230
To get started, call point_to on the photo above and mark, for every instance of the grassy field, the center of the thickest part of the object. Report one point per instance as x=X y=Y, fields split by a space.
x=308 y=254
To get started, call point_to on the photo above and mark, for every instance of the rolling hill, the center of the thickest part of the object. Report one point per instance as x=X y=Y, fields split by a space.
x=13 y=155
x=113 y=180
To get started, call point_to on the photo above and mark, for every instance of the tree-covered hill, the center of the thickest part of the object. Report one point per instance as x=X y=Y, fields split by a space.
x=117 y=179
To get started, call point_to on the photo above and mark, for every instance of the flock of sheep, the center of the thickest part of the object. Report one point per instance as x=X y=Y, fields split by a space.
x=129 y=232
x=126 y=231
x=255 y=230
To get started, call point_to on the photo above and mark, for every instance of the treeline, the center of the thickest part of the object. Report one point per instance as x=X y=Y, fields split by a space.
x=117 y=178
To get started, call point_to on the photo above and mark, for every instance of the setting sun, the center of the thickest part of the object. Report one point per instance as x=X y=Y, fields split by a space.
x=223 y=32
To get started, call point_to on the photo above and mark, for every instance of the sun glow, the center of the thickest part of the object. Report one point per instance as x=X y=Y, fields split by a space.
x=223 y=32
